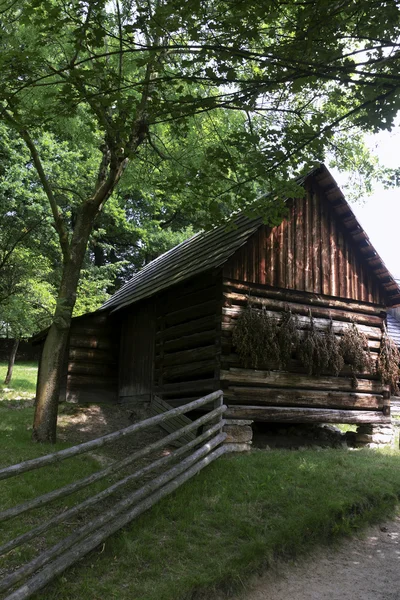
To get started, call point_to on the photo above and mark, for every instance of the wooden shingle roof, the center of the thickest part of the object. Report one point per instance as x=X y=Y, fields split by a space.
x=204 y=251
x=211 y=249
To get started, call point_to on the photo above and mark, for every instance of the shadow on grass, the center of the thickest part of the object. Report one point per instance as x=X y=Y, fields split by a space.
x=19 y=384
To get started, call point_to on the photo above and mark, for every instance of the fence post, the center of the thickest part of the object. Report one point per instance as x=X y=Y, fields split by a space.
x=217 y=403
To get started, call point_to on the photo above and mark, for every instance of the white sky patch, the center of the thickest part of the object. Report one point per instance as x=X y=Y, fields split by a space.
x=379 y=214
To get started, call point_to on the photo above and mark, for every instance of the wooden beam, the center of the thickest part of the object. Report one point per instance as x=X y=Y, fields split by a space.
x=193 y=326
x=302 y=309
x=374 y=333
x=190 y=341
x=281 y=379
x=303 y=297
x=298 y=397
x=183 y=371
x=274 y=414
x=188 y=356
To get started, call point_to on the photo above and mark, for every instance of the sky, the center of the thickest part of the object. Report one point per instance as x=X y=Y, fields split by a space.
x=379 y=214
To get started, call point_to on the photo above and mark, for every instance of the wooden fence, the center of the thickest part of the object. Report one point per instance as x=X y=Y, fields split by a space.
x=194 y=455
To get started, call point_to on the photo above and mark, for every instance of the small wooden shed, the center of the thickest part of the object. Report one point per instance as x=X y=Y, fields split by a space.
x=168 y=331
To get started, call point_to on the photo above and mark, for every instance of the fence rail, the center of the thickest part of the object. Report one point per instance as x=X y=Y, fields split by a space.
x=207 y=445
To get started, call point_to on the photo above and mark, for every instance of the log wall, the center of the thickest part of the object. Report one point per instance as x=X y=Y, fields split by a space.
x=92 y=368
x=309 y=251
x=187 y=345
x=271 y=395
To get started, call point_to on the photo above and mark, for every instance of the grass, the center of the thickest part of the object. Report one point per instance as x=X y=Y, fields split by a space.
x=23 y=382
x=237 y=517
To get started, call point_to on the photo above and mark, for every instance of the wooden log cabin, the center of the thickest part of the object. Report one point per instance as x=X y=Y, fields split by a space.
x=168 y=331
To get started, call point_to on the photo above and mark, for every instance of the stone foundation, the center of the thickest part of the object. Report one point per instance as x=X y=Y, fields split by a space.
x=374 y=436
x=238 y=431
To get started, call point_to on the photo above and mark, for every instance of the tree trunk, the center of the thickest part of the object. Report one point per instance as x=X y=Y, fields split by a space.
x=11 y=361
x=51 y=366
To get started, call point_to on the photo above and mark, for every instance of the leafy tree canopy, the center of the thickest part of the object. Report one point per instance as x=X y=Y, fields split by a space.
x=199 y=104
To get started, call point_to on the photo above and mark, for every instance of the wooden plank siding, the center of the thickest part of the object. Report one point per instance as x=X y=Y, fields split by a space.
x=137 y=352
x=92 y=369
x=294 y=387
x=310 y=251
x=186 y=349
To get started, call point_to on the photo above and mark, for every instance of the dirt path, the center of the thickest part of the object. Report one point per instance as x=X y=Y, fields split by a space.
x=364 y=568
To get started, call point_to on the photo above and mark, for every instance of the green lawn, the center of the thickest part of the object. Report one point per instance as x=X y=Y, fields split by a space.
x=23 y=382
x=236 y=517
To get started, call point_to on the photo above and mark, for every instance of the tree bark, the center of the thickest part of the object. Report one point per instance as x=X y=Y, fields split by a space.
x=11 y=361
x=56 y=344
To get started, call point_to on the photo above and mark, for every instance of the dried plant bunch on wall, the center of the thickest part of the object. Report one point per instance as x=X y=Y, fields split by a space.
x=254 y=338
x=335 y=358
x=388 y=363
x=262 y=339
x=313 y=351
x=355 y=351
x=246 y=337
x=288 y=337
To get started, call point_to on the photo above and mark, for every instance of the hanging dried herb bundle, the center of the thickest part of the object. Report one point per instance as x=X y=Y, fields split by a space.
x=246 y=337
x=269 y=347
x=355 y=351
x=255 y=339
x=288 y=338
x=335 y=358
x=313 y=351
x=388 y=364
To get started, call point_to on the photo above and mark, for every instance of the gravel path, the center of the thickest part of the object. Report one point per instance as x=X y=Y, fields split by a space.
x=363 y=568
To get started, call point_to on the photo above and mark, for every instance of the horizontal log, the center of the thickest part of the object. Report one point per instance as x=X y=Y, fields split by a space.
x=274 y=414
x=96 y=318
x=196 y=368
x=196 y=284
x=196 y=325
x=228 y=327
x=91 y=341
x=187 y=356
x=274 y=304
x=200 y=385
x=101 y=369
x=192 y=312
x=92 y=355
x=309 y=398
x=85 y=329
x=184 y=342
x=281 y=379
x=181 y=301
x=374 y=333
x=92 y=381
x=174 y=402
x=303 y=297
x=92 y=396
x=296 y=366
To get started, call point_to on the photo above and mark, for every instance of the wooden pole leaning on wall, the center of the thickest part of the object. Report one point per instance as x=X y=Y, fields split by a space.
x=55 y=457
x=117 y=520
